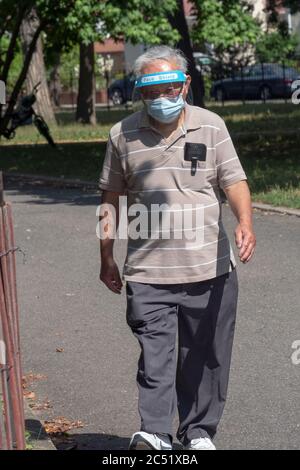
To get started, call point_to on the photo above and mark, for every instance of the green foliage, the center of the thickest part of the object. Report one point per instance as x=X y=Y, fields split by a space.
x=230 y=27
x=277 y=44
x=141 y=21
x=69 y=22
x=93 y=20
x=274 y=47
x=16 y=65
x=227 y=25
x=66 y=23
x=70 y=68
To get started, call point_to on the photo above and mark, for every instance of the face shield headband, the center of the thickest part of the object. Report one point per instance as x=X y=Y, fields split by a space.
x=160 y=77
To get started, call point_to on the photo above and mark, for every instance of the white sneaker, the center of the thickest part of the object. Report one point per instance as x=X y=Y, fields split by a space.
x=201 y=443
x=144 y=441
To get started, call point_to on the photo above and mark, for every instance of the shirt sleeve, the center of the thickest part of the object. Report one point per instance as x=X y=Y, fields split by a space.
x=229 y=167
x=112 y=174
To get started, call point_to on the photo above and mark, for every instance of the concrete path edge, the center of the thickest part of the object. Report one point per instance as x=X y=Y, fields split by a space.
x=39 y=439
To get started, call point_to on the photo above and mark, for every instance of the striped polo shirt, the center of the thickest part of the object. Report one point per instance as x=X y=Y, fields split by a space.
x=150 y=170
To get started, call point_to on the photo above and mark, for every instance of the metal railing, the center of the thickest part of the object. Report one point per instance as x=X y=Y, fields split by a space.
x=12 y=423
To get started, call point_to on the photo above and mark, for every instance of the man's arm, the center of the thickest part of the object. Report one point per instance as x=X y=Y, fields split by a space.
x=239 y=199
x=109 y=273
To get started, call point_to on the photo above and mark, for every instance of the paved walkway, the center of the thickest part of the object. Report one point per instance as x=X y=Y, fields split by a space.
x=63 y=305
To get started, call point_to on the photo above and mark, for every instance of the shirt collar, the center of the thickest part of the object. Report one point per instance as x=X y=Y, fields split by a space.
x=192 y=119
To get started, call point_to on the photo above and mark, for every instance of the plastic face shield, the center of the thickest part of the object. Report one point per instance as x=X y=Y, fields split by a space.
x=154 y=85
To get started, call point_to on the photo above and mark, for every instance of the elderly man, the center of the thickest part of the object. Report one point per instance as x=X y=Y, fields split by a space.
x=174 y=158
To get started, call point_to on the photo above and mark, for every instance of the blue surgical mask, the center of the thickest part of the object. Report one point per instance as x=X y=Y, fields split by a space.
x=165 y=110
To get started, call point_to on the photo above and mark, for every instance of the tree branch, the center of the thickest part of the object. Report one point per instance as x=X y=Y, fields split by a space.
x=4 y=25
x=13 y=99
x=13 y=41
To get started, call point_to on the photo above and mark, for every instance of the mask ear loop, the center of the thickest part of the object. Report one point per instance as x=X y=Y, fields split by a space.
x=182 y=86
x=180 y=93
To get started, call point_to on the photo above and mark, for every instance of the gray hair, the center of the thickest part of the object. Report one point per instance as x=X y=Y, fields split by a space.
x=173 y=56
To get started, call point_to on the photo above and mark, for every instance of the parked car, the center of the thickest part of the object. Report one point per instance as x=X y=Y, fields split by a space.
x=259 y=81
x=121 y=90
x=204 y=63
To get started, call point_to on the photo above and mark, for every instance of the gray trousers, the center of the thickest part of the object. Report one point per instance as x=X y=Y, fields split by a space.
x=195 y=381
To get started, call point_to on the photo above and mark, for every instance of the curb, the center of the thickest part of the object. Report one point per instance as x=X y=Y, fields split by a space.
x=268 y=133
x=277 y=209
x=77 y=183
x=39 y=439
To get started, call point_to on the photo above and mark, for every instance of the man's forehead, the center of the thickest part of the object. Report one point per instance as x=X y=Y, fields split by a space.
x=158 y=65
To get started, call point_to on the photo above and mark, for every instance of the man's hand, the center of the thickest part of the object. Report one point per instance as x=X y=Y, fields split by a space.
x=110 y=275
x=245 y=240
x=238 y=195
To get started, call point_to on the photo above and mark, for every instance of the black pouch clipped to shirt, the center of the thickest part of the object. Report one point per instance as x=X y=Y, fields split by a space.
x=194 y=152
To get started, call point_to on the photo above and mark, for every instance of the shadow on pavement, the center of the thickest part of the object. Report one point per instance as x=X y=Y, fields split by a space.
x=48 y=195
x=95 y=442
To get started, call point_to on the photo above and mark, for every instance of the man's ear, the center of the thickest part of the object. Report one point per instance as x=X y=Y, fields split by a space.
x=187 y=85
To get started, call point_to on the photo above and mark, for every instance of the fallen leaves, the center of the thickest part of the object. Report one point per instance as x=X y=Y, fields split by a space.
x=29 y=395
x=30 y=378
x=57 y=427
x=41 y=406
x=61 y=425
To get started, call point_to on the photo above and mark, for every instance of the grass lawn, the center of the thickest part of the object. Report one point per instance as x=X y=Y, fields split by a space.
x=271 y=162
x=68 y=130
x=272 y=165
x=277 y=117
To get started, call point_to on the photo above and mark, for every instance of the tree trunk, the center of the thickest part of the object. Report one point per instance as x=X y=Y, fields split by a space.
x=86 y=101
x=178 y=21
x=55 y=83
x=37 y=70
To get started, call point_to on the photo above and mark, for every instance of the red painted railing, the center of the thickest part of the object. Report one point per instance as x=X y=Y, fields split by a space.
x=12 y=427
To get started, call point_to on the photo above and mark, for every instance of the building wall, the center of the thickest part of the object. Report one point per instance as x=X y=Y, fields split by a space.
x=114 y=50
x=132 y=52
x=296 y=23
x=258 y=12
x=296 y=29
